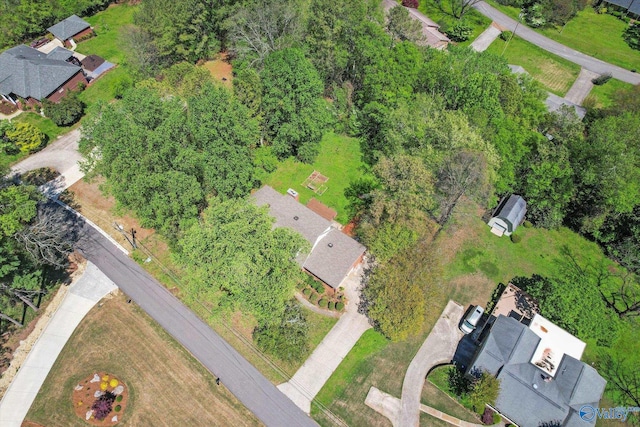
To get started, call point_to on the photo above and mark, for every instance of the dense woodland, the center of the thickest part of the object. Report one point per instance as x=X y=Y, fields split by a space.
x=436 y=128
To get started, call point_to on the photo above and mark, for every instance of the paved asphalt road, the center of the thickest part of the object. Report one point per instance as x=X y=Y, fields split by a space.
x=554 y=47
x=243 y=380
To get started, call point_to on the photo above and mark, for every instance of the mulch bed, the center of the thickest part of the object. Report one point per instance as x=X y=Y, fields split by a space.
x=84 y=397
x=7 y=108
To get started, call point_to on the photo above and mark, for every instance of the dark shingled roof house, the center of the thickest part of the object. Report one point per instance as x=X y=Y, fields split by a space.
x=32 y=75
x=508 y=215
x=70 y=28
x=333 y=254
x=541 y=376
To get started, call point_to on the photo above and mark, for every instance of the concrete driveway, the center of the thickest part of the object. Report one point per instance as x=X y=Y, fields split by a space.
x=62 y=155
x=82 y=296
x=307 y=382
x=439 y=348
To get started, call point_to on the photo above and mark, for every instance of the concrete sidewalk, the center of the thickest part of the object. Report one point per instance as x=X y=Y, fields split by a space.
x=303 y=387
x=488 y=36
x=82 y=296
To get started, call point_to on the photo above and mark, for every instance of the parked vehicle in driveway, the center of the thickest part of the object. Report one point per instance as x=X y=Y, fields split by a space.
x=471 y=320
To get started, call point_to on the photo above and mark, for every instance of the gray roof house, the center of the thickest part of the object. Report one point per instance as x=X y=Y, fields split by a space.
x=28 y=73
x=333 y=254
x=530 y=394
x=69 y=27
x=508 y=215
x=633 y=6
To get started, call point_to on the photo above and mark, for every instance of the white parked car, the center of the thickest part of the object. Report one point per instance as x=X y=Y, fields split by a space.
x=471 y=320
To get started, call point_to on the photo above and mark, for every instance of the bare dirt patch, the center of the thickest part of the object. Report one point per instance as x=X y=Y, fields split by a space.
x=167 y=386
x=89 y=200
x=221 y=69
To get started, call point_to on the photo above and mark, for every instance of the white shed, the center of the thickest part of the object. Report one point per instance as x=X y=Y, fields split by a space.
x=508 y=215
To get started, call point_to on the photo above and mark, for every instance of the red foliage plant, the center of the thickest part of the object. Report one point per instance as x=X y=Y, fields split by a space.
x=410 y=3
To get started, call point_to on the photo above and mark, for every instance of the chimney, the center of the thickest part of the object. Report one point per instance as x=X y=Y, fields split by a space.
x=293 y=193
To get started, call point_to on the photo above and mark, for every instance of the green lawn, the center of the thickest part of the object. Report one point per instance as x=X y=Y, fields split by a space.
x=499 y=259
x=107 y=44
x=597 y=35
x=556 y=74
x=45 y=125
x=339 y=159
x=602 y=96
x=475 y=19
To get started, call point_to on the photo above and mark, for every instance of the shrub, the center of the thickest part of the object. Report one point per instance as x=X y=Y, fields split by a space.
x=332 y=305
x=323 y=303
x=306 y=292
x=460 y=32
x=516 y=238
x=117 y=408
x=410 y=3
x=318 y=287
x=506 y=35
x=313 y=298
x=527 y=224
x=339 y=306
x=65 y=113
x=632 y=36
x=121 y=85
x=103 y=405
x=26 y=137
x=119 y=398
x=602 y=79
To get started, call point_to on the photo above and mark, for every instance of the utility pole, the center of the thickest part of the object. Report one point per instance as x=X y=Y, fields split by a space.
x=120 y=228
x=520 y=15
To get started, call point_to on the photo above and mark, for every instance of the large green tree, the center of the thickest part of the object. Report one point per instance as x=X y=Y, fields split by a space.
x=234 y=256
x=294 y=113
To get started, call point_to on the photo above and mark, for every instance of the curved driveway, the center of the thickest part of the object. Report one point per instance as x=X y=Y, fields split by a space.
x=62 y=155
x=243 y=380
x=585 y=61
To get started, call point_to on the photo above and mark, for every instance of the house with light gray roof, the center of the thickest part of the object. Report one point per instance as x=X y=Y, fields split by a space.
x=333 y=254
x=69 y=29
x=34 y=76
x=542 y=379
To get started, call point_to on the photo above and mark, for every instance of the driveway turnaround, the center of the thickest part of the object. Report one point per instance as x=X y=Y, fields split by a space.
x=585 y=61
x=82 y=296
x=63 y=156
x=303 y=387
x=243 y=380
x=439 y=348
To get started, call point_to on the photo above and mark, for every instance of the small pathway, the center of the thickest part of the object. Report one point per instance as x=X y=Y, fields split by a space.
x=82 y=296
x=307 y=382
x=488 y=36
x=389 y=406
x=581 y=87
x=585 y=61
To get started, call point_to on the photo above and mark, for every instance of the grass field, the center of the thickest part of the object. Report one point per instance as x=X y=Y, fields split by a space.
x=168 y=387
x=473 y=18
x=597 y=35
x=602 y=96
x=339 y=159
x=556 y=74
x=107 y=44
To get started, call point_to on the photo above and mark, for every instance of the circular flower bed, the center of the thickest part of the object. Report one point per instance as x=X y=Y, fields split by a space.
x=100 y=399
